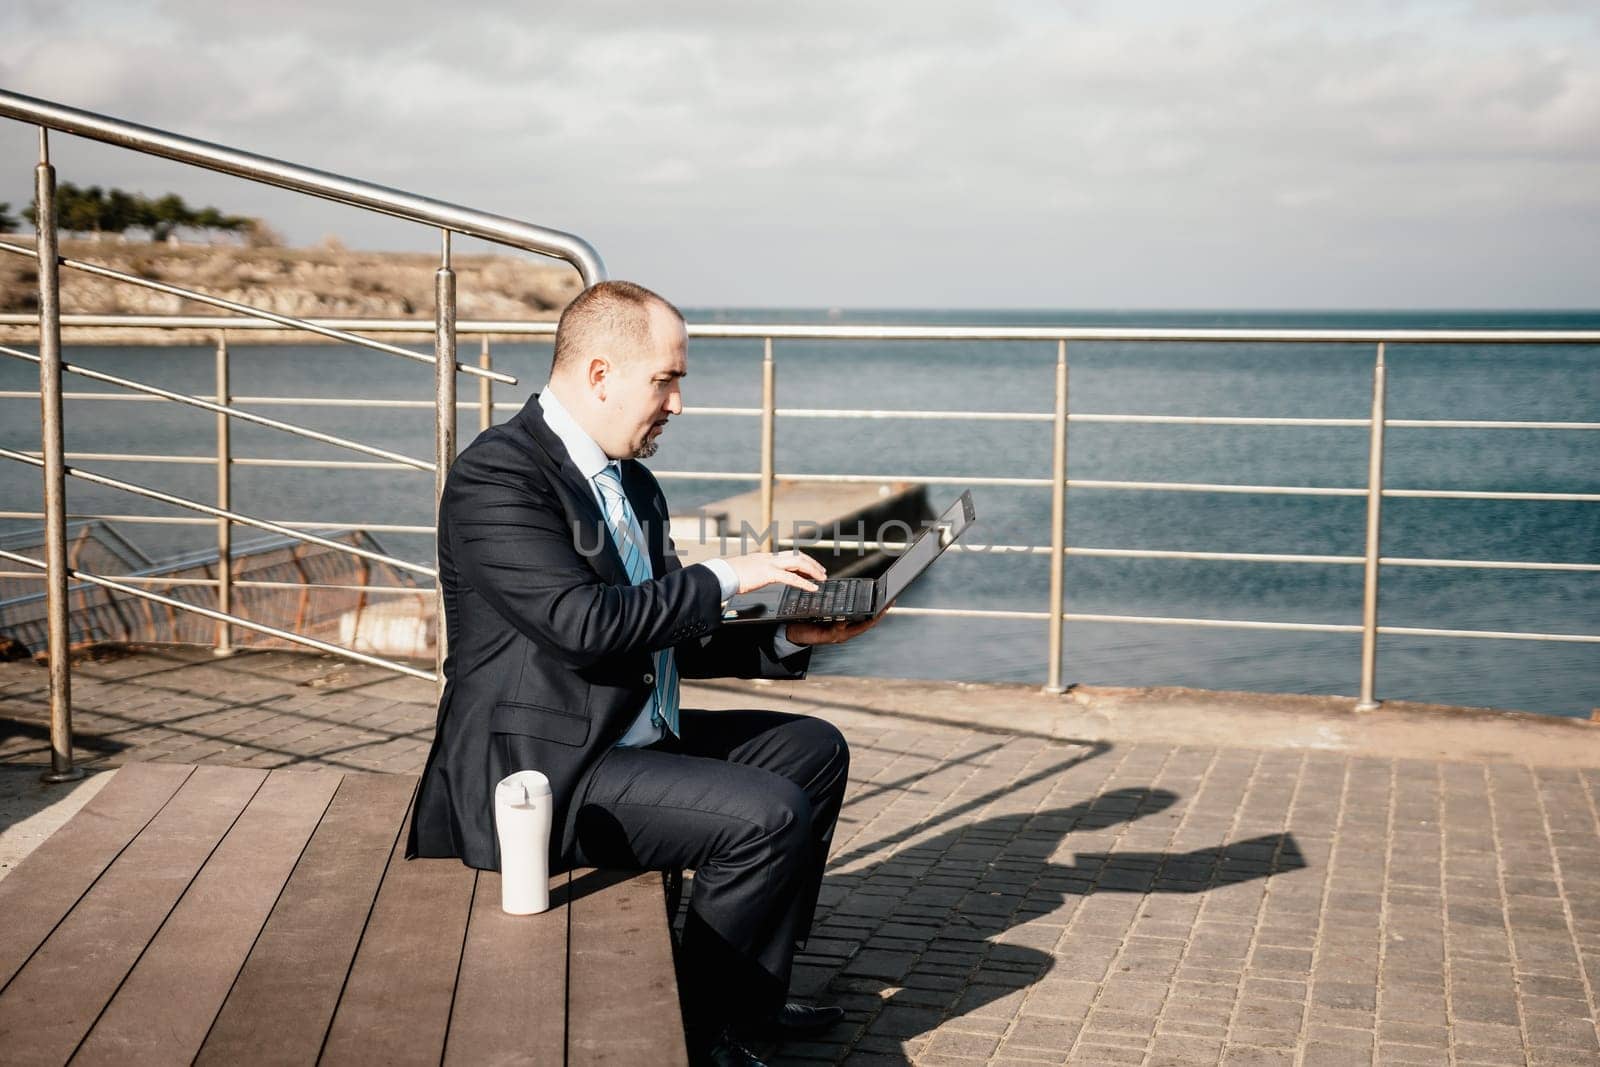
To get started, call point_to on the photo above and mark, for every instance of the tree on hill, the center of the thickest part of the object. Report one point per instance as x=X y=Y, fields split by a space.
x=8 y=221
x=94 y=210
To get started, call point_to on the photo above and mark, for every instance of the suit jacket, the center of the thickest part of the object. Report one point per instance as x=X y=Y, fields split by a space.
x=550 y=653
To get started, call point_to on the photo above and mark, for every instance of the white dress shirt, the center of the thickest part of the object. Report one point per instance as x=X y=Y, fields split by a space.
x=591 y=459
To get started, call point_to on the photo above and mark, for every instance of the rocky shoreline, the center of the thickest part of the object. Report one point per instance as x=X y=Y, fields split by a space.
x=322 y=282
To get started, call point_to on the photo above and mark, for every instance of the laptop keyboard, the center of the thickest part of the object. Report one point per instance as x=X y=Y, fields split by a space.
x=835 y=599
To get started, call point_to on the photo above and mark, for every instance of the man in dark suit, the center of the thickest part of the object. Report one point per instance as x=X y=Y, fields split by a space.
x=569 y=622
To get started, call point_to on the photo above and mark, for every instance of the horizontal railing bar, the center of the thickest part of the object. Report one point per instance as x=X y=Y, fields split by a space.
x=384 y=590
x=1044 y=550
x=130 y=457
x=1225 y=557
x=1466 y=494
x=913 y=479
x=1490 y=635
x=323 y=184
x=1212 y=487
x=184 y=520
x=1151 y=620
x=964 y=613
x=342 y=402
x=342 y=464
x=231 y=412
x=970 y=613
x=1486 y=564
x=1172 y=487
x=913 y=416
x=248 y=624
x=1072 y=483
x=232 y=323
x=1216 y=420
x=281 y=321
x=710 y=476
x=1007 y=549
x=153 y=520
x=1486 y=424
x=238 y=583
x=760 y=331
x=262 y=401
x=888 y=413
x=368 y=527
x=23 y=394
x=1134 y=333
x=220 y=513
x=893 y=413
x=1110 y=553
x=1235 y=624
x=238 y=461
x=1179 y=554
x=894 y=546
x=1247 y=624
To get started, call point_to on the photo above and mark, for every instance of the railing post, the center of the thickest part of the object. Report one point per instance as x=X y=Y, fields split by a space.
x=444 y=402
x=769 y=418
x=1058 y=524
x=1369 y=597
x=53 y=449
x=485 y=387
x=224 y=646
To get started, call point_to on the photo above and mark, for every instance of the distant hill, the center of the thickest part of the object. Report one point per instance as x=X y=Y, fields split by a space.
x=323 y=282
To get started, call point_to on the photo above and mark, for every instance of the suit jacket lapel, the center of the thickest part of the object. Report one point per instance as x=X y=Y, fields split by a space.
x=580 y=494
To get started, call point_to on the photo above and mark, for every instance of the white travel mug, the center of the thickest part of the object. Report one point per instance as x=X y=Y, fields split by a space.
x=522 y=808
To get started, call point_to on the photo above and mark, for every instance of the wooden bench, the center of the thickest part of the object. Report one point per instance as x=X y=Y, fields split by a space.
x=225 y=915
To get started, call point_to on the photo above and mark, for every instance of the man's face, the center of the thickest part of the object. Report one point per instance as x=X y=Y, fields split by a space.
x=642 y=390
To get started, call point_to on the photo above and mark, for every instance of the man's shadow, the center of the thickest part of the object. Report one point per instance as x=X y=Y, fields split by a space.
x=1017 y=880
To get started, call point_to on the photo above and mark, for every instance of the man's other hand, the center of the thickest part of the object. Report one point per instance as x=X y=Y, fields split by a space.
x=829 y=633
x=761 y=569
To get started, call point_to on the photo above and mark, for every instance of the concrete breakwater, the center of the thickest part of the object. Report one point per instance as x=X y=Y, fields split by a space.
x=327 y=281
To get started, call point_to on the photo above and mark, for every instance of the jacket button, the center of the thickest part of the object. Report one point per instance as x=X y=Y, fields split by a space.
x=649 y=679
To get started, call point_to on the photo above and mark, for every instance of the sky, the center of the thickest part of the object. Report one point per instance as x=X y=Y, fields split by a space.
x=937 y=154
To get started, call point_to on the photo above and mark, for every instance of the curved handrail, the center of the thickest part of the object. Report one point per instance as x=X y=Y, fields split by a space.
x=569 y=247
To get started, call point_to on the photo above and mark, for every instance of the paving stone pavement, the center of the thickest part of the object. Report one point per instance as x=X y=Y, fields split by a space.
x=999 y=895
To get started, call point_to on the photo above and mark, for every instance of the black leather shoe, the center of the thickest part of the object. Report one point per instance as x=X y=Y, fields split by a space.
x=795 y=1020
x=726 y=1052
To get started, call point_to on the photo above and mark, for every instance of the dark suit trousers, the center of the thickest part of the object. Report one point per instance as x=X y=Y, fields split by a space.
x=748 y=800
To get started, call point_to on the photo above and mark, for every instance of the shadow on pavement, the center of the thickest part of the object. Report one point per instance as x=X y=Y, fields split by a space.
x=975 y=882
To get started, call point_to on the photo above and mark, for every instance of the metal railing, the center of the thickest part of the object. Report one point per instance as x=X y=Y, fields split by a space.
x=242 y=321
x=450 y=219
x=1053 y=614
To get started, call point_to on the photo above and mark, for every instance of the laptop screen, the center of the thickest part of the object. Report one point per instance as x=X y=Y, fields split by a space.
x=925 y=549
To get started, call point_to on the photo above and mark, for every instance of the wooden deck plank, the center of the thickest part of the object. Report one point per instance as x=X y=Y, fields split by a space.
x=396 y=1003
x=163 y=1010
x=622 y=994
x=56 y=996
x=37 y=895
x=283 y=1000
x=511 y=995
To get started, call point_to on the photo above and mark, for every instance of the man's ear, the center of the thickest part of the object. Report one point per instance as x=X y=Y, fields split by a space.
x=599 y=371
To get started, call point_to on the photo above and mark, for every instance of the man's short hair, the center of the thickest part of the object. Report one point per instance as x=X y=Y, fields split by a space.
x=608 y=318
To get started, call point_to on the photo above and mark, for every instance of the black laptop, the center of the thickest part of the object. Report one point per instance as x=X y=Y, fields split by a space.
x=853 y=599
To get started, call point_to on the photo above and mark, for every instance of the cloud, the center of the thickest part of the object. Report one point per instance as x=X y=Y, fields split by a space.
x=1144 y=135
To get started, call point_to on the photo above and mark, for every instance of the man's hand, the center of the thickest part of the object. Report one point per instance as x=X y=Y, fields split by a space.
x=830 y=633
x=760 y=569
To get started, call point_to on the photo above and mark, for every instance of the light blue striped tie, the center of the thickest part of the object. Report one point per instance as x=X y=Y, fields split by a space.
x=630 y=542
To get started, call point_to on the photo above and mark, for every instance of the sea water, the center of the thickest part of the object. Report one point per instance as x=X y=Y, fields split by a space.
x=1553 y=383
